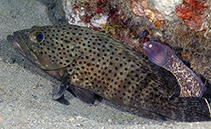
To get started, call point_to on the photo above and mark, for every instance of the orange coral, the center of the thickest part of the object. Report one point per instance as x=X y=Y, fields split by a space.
x=191 y=12
x=195 y=23
x=158 y=24
x=187 y=55
x=197 y=5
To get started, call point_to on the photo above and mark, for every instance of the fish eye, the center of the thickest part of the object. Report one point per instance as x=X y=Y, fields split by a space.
x=36 y=36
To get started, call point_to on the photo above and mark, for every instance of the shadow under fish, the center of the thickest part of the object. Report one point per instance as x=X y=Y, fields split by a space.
x=93 y=65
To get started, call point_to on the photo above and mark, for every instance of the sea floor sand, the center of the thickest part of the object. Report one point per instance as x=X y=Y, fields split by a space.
x=26 y=91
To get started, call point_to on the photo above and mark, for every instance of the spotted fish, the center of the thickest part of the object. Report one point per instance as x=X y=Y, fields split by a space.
x=162 y=55
x=90 y=64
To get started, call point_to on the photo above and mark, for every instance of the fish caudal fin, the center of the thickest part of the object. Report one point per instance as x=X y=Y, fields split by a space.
x=190 y=109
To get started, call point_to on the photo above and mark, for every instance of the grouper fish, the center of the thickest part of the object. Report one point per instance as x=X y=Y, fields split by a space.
x=91 y=64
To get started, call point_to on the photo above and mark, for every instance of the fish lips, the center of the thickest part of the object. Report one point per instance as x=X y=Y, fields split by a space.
x=11 y=39
x=22 y=47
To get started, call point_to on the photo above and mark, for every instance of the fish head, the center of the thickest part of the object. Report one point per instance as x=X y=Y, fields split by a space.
x=44 y=47
x=155 y=53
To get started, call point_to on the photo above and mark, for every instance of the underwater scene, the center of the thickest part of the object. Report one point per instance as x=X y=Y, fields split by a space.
x=105 y=64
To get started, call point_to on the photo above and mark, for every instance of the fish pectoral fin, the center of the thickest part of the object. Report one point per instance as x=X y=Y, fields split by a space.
x=61 y=89
x=84 y=94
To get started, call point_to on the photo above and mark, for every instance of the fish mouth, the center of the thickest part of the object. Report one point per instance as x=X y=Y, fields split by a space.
x=15 y=42
x=146 y=48
x=18 y=42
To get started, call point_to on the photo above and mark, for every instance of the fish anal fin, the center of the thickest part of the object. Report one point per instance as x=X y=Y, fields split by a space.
x=62 y=100
x=84 y=94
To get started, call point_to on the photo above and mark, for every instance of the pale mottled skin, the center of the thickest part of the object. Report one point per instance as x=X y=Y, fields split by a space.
x=162 y=55
x=96 y=63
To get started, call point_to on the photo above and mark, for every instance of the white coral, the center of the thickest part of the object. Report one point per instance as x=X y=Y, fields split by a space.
x=100 y=21
x=167 y=8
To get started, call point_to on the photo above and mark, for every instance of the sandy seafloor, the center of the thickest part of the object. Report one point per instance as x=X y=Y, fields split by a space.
x=26 y=91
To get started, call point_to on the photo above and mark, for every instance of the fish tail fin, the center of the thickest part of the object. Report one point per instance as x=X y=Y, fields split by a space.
x=190 y=109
